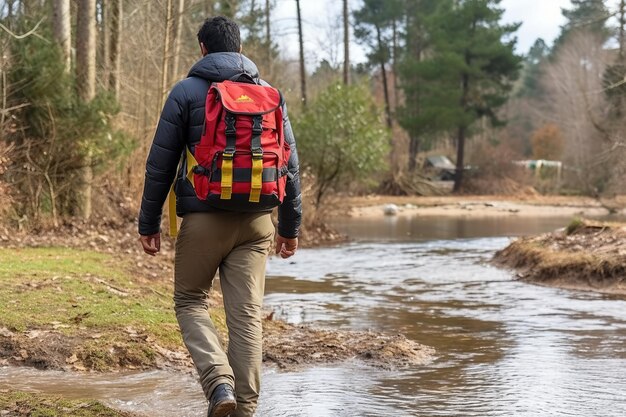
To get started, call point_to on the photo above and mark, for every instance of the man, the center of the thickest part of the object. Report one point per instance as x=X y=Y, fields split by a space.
x=235 y=242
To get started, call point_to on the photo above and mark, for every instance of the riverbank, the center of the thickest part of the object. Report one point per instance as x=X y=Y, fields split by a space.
x=25 y=404
x=585 y=255
x=531 y=205
x=89 y=310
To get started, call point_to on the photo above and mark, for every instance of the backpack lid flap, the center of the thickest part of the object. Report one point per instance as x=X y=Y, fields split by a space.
x=245 y=98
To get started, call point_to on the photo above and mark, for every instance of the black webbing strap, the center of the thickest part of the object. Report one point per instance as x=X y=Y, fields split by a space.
x=256 y=178
x=228 y=155
x=244 y=175
x=257 y=130
x=231 y=133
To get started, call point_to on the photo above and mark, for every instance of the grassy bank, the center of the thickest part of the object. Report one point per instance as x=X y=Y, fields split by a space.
x=584 y=255
x=22 y=404
x=85 y=310
x=79 y=309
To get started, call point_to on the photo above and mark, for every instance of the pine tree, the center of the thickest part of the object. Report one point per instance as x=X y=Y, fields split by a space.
x=469 y=72
x=588 y=15
x=372 y=22
x=537 y=56
x=417 y=43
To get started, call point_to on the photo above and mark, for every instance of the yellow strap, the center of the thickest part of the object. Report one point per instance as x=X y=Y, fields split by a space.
x=227 y=178
x=191 y=162
x=257 y=180
x=172 y=212
x=171 y=198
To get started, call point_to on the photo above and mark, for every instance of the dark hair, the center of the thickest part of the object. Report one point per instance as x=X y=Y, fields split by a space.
x=220 y=34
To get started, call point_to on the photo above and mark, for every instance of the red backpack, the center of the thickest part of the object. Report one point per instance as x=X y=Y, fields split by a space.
x=242 y=155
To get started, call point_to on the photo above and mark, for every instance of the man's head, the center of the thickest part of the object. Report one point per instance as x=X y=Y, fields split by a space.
x=219 y=34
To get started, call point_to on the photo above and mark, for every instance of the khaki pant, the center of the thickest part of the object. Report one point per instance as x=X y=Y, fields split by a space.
x=237 y=244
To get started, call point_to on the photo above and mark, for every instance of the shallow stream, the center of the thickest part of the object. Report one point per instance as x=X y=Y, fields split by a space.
x=504 y=348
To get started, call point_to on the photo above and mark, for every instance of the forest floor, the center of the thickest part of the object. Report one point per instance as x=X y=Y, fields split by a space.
x=585 y=255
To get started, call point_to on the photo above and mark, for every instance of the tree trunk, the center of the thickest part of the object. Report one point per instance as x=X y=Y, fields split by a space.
x=177 y=37
x=462 y=130
x=86 y=50
x=10 y=10
x=86 y=82
x=268 y=8
x=166 y=53
x=115 y=55
x=62 y=30
x=460 y=155
x=105 y=34
x=268 y=37
x=622 y=22
x=394 y=64
x=346 y=43
x=302 y=63
x=414 y=143
x=384 y=74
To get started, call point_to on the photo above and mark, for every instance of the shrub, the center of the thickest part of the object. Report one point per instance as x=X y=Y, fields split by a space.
x=342 y=139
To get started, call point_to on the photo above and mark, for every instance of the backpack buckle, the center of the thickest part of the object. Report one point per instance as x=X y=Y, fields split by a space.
x=200 y=170
x=230 y=121
x=257 y=125
x=228 y=154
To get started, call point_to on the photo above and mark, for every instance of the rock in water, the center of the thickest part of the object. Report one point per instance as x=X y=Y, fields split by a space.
x=390 y=210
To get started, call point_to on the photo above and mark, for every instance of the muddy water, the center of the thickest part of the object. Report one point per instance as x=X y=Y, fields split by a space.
x=504 y=348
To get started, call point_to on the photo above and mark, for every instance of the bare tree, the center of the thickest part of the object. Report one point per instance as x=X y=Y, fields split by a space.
x=383 y=72
x=346 y=43
x=177 y=37
x=573 y=84
x=104 y=34
x=166 y=51
x=115 y=55
x=302 y=63
x=86 y=50
x=622 y=23
x=62 y=30
x=86 y=82
x=268 y=34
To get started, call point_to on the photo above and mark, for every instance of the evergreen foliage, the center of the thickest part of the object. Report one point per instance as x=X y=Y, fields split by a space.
x=55 y=130
x=533 y=62
x=587 y=15
x=469 y=72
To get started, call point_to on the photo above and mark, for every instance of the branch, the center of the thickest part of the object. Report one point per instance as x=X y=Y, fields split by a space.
x=27 y=34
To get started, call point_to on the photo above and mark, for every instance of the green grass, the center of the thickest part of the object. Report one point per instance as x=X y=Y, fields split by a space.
x=93 y=296
x=574 y=225
x=44 y=287
x=36 y=405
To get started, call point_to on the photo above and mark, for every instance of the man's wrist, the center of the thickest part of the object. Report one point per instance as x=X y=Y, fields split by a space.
x=287 y=235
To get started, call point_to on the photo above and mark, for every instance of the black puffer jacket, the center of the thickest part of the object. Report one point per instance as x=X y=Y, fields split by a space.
x=181 y=125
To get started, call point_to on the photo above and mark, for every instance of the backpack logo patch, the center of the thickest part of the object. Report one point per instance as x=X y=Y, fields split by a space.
x=244 y=99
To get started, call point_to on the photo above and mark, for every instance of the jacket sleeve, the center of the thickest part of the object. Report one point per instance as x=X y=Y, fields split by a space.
x=290 y=211
x=163 y=159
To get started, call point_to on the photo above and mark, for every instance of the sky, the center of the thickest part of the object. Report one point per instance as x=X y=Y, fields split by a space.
x=322 y=34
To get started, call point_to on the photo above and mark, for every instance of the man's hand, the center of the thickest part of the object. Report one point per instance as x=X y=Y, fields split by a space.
x=151 y=243
x=286 y=247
